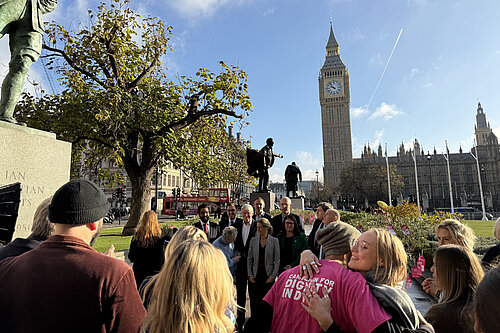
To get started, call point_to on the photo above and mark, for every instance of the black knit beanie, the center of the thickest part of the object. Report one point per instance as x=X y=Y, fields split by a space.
x=78 y=202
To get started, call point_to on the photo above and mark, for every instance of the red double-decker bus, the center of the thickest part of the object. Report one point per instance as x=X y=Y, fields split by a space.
x=188 y=204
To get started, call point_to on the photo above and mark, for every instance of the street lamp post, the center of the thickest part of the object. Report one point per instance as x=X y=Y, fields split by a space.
x=476 y=157
x=429 y=157
x=388 y=176
x=416 y=176
x=447 y=158
x=317 y=183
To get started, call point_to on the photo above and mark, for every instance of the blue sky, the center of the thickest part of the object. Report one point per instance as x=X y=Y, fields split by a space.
x=448 y=56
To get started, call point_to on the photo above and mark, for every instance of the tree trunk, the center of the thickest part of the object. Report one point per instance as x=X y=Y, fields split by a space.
x=140 y=175
x=141 y=200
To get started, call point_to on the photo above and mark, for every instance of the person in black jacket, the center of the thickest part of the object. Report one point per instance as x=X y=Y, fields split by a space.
x=286 y=209
x=147 y=247
x=247 y=229
x=259 y=213
x=230 y=217
x=211 y=229
x=41 y=230
x=318 y=224
x=491 y=258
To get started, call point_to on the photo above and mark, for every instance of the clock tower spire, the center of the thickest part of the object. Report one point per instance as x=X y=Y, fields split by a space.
x=335 y=101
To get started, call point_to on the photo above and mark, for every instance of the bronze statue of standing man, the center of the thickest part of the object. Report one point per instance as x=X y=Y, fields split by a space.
x=22 y=20
x=292 y=177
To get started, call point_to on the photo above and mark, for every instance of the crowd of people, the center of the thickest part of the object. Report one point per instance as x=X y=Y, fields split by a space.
x=197 y=278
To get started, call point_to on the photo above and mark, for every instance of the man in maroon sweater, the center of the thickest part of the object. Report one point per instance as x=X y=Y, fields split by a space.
x=64 y=285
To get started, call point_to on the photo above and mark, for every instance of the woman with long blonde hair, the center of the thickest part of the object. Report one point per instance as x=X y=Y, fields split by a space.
x=192 y=292
x=146 y=247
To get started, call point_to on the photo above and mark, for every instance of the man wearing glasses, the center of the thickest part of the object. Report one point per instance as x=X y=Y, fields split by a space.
x=231 y=217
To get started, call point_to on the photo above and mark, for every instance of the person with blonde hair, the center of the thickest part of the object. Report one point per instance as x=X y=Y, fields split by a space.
x=491 y=258
x=457 y=272
x=450 y=231
x=146 y=248
x=487 y=303
x=262 y=264
x=192 y=292
x=41 y=229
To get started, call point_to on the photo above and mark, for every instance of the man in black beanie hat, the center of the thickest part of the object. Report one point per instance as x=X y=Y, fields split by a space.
x=64 y=285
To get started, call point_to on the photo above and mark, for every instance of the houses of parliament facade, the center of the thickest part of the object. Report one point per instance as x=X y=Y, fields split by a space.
x=334 y=96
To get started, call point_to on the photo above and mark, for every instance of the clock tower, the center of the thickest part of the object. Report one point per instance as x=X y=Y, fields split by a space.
x=335 y=101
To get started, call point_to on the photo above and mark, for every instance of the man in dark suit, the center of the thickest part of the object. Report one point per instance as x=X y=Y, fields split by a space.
x=318 y=224
x=211 y=229
x=231 y=218
x=259 y=213
x=247 y=229
x=286 y=209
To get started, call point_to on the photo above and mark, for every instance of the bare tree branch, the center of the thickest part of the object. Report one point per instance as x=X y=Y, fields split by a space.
x=73 y=65
x=191 y=118
x=113 y=62
x=102 y=142
x=143 y=75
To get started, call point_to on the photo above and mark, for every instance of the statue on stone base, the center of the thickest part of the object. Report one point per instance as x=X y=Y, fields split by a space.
x=22 y=20
x=292 y=176
x=259 y=162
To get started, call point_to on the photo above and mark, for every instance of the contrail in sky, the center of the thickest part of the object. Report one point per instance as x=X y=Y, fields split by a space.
x=387 y=64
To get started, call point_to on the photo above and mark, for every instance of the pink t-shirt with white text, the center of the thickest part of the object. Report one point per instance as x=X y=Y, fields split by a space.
x=354 y=308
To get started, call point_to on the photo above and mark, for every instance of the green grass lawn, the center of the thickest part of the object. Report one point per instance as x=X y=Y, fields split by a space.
x=114 y=236
x=481 y=228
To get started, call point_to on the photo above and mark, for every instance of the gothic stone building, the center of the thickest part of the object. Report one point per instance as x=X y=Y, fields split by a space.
x=433 y=176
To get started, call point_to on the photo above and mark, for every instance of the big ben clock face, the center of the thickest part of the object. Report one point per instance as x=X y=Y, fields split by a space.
x=334 y=87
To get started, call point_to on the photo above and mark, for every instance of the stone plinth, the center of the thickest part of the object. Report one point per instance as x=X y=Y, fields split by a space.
x=38 y=161
x=297 y=203
x=267 y=197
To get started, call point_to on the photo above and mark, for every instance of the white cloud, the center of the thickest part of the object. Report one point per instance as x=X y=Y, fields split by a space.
x=310 y=174
x=417 y=2
x=358 y=112
x=307 y=160
x=269 y=11
x=427 y=85
x=414 y=71
x=379 y=136
x=357 y=35
x=436 y=64
x=376 y=59
x=276 y=174
x=386 y=111
x=196 y=8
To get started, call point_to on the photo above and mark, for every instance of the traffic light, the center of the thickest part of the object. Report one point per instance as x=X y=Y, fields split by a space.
x=179 y=192
x=173 y=192
x=124 y=192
